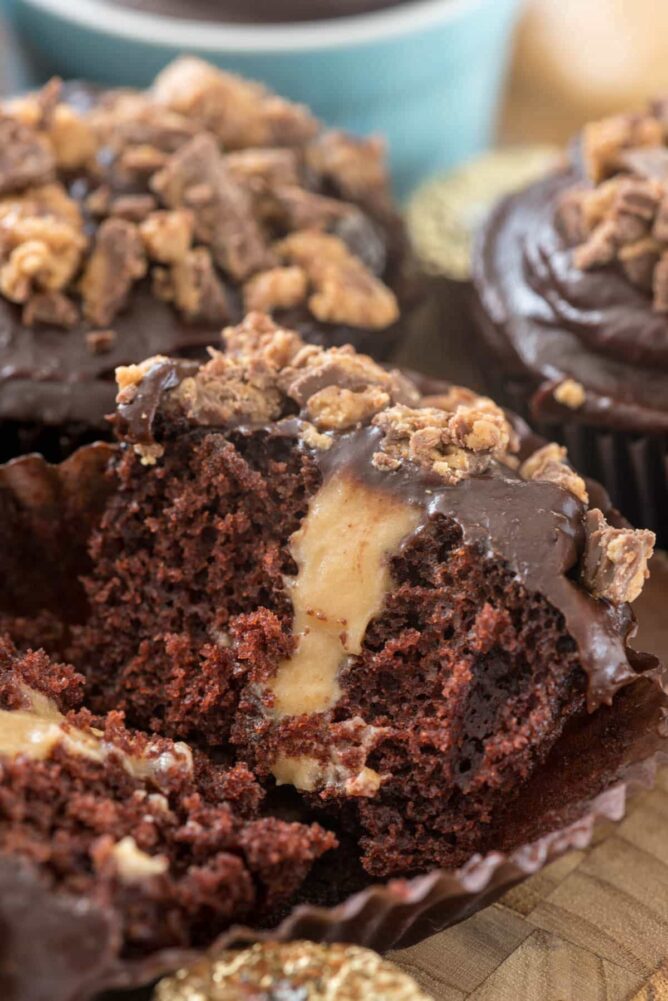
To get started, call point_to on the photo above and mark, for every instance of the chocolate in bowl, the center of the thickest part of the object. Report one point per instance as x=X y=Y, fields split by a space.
x=57 y=359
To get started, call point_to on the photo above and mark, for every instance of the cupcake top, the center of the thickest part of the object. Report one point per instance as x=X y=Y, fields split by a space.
x=136 y=222
x=573 y=274
x=292 y=970
x=456 y=451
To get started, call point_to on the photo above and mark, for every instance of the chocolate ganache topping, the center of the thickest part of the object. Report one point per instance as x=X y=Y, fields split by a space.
x=136 y=223
x=572 y=274
x=456 y=454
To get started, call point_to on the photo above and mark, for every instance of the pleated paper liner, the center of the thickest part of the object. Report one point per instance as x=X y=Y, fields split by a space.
x=55 y=947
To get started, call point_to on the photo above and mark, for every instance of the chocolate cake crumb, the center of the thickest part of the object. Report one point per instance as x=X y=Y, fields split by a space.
x=172 y=847
x=615 y=559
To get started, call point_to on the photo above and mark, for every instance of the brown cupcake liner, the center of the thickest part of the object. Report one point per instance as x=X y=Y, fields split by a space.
x=59 y=948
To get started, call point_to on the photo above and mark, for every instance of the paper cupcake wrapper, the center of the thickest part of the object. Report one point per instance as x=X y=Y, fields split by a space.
x=60 y=948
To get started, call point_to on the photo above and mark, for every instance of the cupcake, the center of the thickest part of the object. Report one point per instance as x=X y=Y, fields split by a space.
x=571 y=302
x=301 y=970
x=140 y=222
x=307 y=606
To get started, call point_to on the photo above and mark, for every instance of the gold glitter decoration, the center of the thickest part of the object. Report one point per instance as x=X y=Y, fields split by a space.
x=291 y=971
x=444 y=214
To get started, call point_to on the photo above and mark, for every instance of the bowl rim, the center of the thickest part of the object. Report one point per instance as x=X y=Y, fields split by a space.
x=197 y=36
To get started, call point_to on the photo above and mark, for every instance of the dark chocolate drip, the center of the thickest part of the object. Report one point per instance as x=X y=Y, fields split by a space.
x=536 y=528
x=548 y=320
x=135 y=419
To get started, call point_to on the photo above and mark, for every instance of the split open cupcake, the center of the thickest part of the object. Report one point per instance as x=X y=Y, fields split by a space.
x=323 y=631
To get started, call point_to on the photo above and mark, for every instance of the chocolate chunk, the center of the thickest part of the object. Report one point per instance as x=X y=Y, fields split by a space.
x=51 y=308
x=196 y=177
x=117 y=262
x=25 y=157
x=614 y=564
x=134 y=208
x=194 y=287
x=355 y=166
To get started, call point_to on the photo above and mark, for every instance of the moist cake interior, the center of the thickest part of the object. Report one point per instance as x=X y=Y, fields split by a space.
x=364 y=611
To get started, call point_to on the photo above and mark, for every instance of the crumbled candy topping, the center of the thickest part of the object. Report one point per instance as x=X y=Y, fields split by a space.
x=202 y=182
x=621 y=217
x=267 y=372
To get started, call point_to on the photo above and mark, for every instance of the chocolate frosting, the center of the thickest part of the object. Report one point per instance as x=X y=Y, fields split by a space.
x=546 y=320
x=536 y=528
x=50 y=376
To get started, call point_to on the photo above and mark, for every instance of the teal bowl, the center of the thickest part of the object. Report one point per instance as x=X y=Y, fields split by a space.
x=427 y=75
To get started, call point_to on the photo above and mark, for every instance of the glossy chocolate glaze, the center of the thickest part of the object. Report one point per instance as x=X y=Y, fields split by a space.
x=49 y=376
x=536 y=528
x=545 y=320
x=259 y=11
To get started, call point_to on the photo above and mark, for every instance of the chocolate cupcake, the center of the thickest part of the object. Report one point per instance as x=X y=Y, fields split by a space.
x=570 y=277
x=301 y=970
x=133 y=223
x=279 y=478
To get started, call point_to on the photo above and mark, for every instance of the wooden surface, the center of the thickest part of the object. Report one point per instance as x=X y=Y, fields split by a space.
x=593 y=926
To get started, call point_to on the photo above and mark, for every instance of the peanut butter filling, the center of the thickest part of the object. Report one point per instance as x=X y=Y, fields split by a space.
x=134 y=865
x=36 y=730
x=342 y=551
